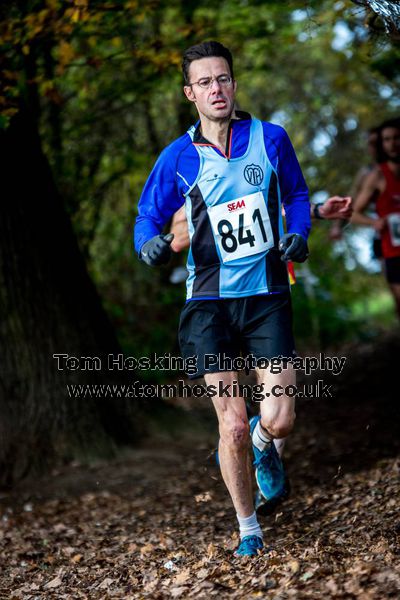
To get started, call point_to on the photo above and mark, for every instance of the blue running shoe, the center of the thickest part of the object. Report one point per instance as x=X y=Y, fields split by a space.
x=249 y=546
x=270 y=474
x=265 y=507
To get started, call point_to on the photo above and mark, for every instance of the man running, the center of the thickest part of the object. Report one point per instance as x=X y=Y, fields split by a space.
x=232 y=172
x=383 y=184
x=335 y=207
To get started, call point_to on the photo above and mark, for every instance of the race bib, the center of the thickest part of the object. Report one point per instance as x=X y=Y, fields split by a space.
x=394 y=228
x=241 y=227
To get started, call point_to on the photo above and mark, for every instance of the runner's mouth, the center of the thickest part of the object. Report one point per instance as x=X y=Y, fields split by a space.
x=219 y=102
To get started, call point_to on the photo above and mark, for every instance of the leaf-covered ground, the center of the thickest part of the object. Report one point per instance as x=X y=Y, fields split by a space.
x=157 y=523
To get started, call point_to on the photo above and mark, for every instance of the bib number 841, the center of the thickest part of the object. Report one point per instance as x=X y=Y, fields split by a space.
x=230 y=242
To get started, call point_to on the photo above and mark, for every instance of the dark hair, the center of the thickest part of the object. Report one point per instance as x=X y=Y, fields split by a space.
x=395 y=123
x=373 y=130
x=205 y=50
x=392 y=123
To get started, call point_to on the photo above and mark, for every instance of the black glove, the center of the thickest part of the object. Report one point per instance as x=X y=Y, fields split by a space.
x=157 y=251
x=294 y=247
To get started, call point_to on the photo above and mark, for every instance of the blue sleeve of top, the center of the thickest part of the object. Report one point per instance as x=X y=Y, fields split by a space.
x=159 y=200
x=294 y=191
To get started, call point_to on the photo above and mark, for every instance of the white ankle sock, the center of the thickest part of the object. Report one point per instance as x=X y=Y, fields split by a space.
x=249 y=526
x=261 y=438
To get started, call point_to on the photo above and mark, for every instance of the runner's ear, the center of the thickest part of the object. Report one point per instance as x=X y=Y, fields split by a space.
x=188 y=91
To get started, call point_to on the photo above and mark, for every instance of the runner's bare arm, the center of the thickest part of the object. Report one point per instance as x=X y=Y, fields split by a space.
x=371 y=186
x=336 y=207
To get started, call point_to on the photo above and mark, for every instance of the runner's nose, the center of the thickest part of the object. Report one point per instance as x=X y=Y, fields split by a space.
x=215 y=85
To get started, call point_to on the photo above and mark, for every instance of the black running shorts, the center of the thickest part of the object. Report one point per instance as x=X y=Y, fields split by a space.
x=260 y=326
x=392 y=269
x=377 y=247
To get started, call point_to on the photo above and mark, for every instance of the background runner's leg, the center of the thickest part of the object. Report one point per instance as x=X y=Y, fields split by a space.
x=395 y=289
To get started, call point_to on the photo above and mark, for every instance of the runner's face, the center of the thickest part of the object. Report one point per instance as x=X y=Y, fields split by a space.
x=217 y=102
x=391 y=142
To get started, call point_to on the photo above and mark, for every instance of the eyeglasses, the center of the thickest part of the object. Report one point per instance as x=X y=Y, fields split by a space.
x=206 y=82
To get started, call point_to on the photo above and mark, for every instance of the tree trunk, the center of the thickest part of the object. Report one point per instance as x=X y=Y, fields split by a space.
x=48 y=305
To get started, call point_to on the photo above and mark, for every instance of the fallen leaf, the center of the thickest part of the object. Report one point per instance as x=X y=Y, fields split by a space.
x=307 y=575
x=182 y=577
x=178 y=591
x=105 y=584
x=206 y=497
x=147 y=549
x=77 y=558
x=294 y=566
x=202 y=573
x=53 y=583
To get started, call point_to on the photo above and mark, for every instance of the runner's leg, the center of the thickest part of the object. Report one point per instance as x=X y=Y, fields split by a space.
x=275 y=422
x=234 y=445
x=395 y=289
x=277 y=413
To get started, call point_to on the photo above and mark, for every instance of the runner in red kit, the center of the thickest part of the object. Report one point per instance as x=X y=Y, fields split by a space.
x=384 y=182
x=388 y=209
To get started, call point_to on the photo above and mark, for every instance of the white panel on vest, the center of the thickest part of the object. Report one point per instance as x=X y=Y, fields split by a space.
x=241 y=227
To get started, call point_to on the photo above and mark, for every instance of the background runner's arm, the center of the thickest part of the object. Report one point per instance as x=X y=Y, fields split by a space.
x=159 y=200
x=336 y=207
x=359 y=180
x=337 y=227
x=364 y=198
x=293 y=188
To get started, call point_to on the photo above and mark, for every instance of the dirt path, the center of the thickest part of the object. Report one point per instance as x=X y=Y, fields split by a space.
x=157 y=523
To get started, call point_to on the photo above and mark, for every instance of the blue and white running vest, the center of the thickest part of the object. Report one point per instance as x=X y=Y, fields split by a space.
x=234 y=215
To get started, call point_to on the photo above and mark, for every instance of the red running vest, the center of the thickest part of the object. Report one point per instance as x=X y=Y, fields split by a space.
x=388 y=205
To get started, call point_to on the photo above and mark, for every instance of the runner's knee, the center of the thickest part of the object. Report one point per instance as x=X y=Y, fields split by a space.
x=235 y=434
x=279 y=425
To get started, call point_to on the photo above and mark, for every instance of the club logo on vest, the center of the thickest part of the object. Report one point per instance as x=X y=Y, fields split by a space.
x=253 y=174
